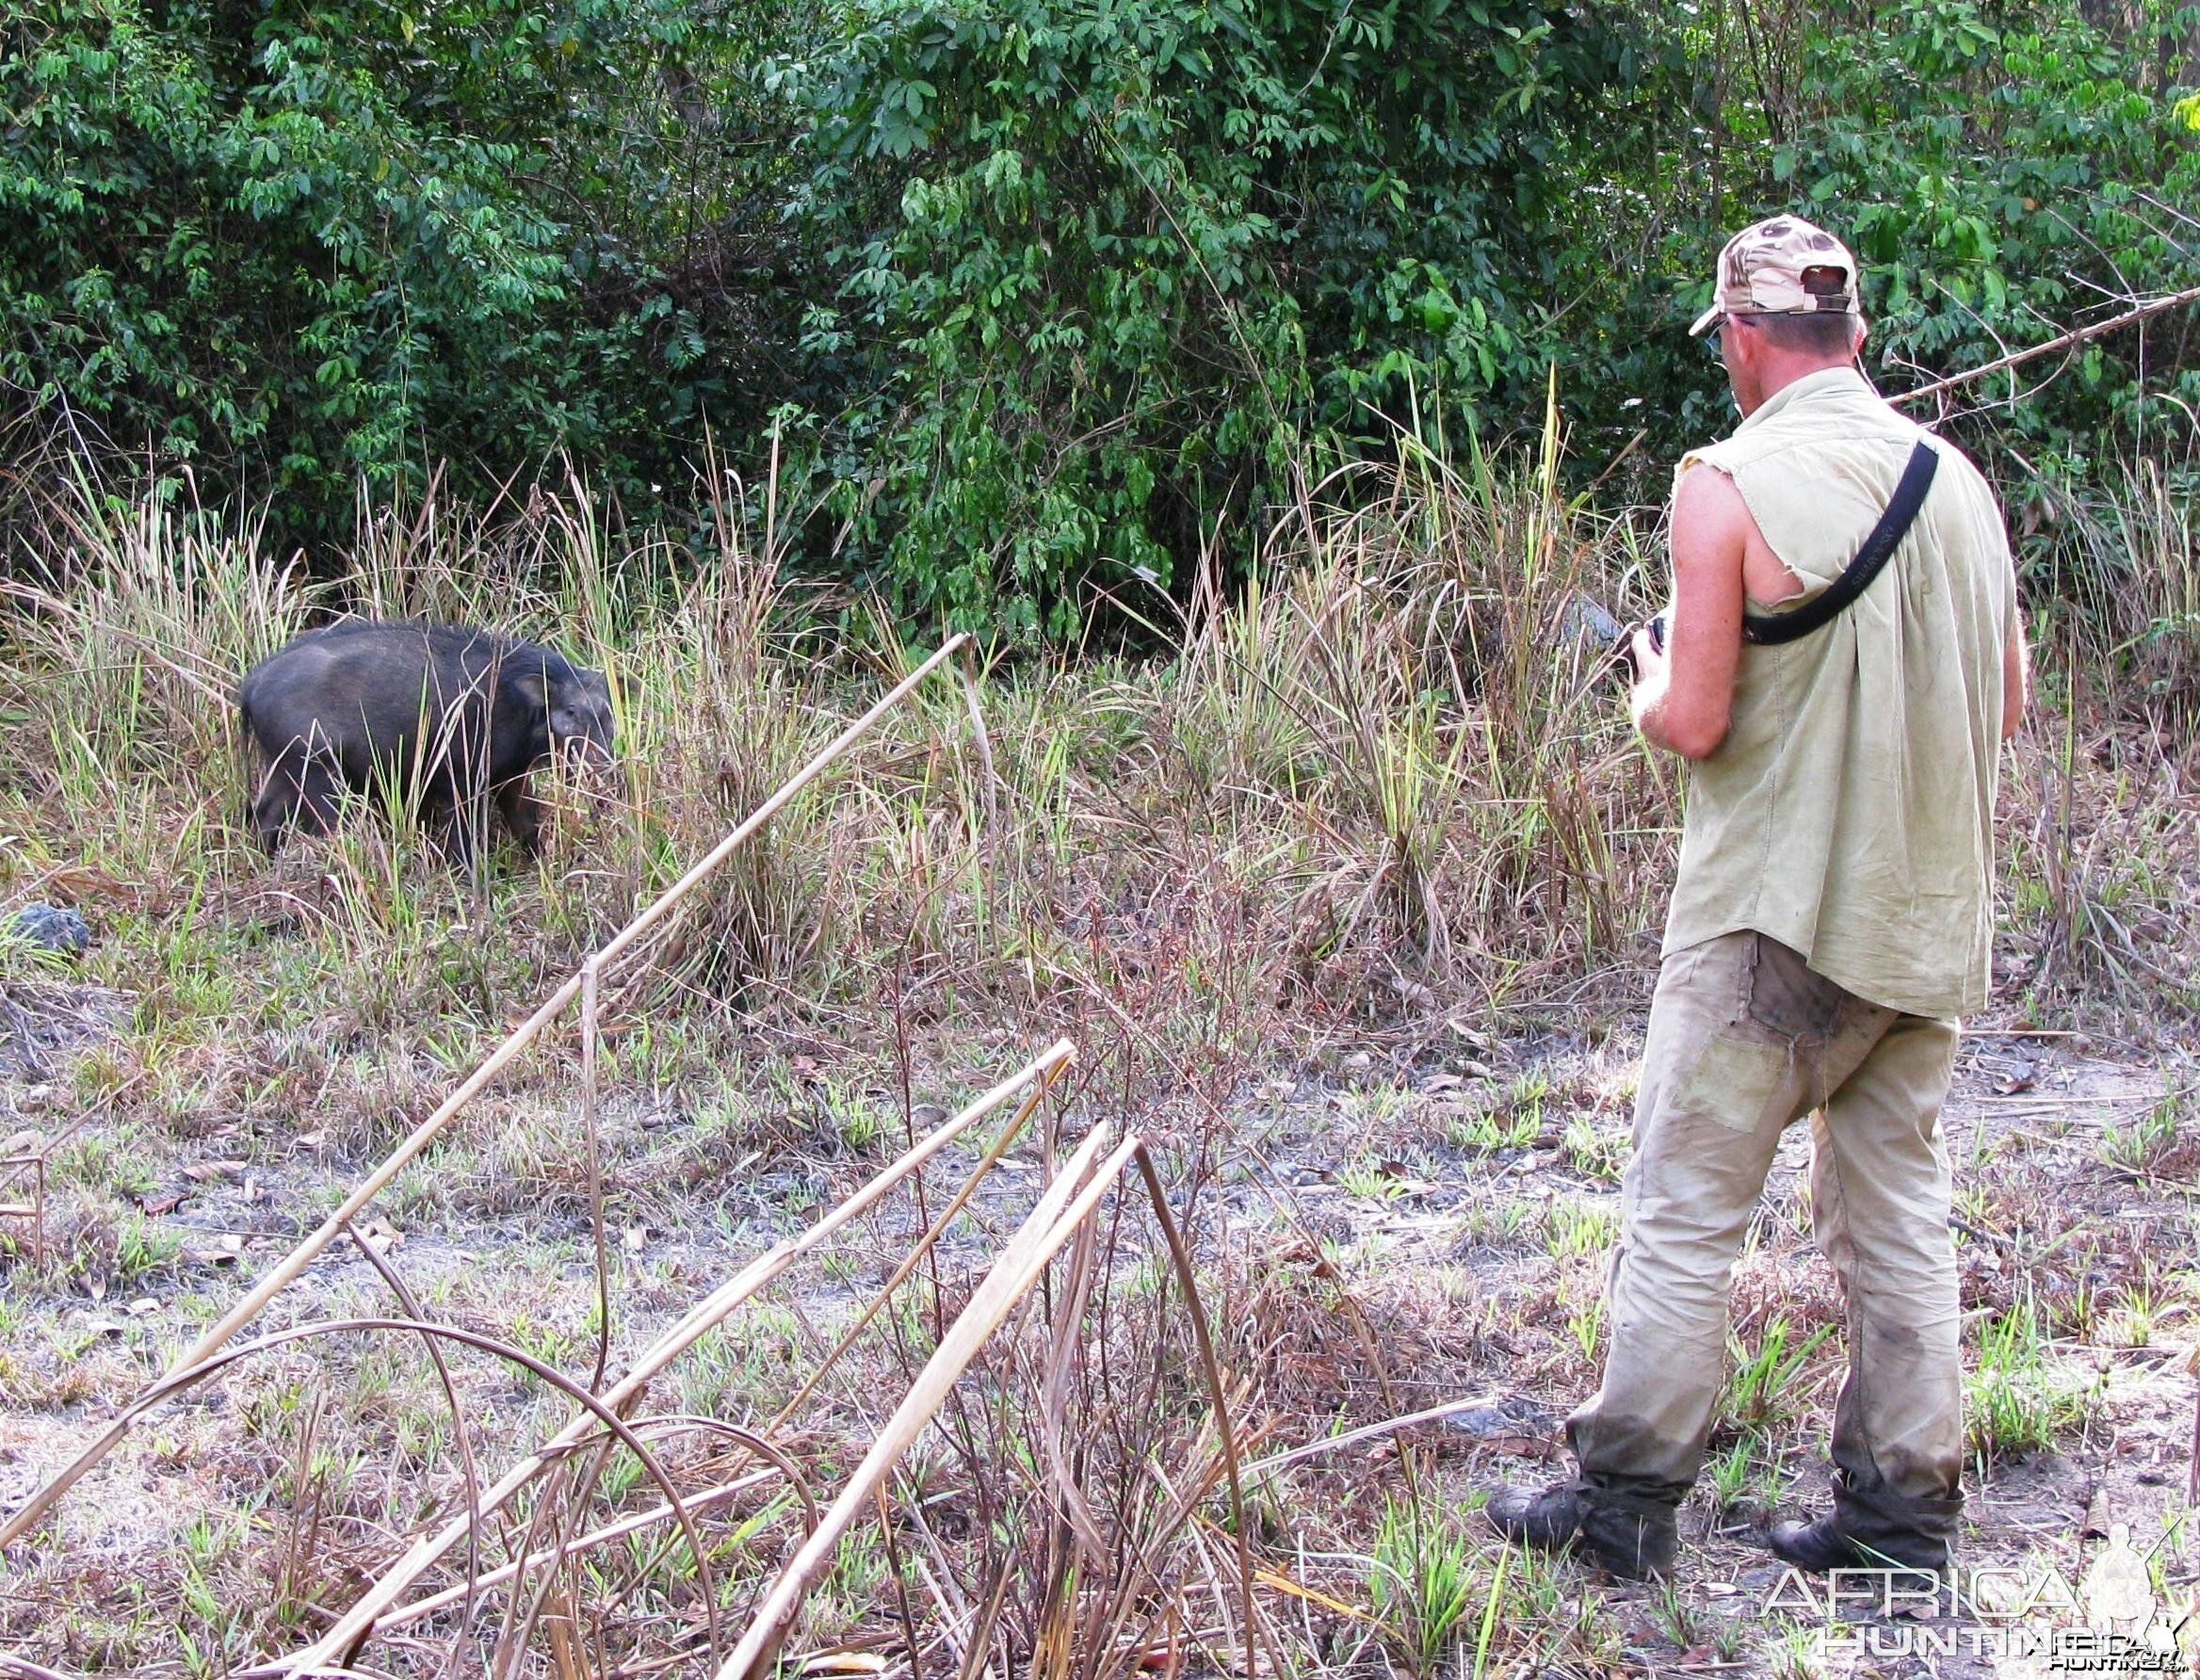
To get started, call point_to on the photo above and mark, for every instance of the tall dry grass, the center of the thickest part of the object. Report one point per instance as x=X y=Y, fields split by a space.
x=2135 y=578
x=1384 y=770
x=1379 y=794
x=1330 y=814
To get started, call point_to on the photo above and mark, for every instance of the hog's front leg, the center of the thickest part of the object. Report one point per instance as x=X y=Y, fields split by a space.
x=523 y=816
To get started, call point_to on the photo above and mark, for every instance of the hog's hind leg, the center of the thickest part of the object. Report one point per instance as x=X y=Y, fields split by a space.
x=464 y=823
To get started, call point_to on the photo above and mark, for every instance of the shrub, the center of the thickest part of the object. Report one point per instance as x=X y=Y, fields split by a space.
x=1100 y=271
x=2005 y=175
x=307 y=248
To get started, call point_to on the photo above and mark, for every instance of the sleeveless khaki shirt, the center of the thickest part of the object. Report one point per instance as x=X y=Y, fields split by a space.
x=1849 y=813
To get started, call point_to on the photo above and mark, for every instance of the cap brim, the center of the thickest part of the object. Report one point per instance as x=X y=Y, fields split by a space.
x=1705 y=321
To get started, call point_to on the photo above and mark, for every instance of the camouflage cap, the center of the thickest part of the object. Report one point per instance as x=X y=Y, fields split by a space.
x=1782 y=266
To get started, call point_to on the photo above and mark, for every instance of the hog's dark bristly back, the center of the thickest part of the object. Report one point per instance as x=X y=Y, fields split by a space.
x=456 y=718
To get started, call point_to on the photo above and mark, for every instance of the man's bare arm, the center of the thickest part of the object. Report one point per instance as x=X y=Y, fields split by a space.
x=1685 y=698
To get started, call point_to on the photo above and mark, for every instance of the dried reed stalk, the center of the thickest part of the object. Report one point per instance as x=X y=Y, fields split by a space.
x=1022 y=1263
x=1389 y=1426
x=24 y=1669
x=180 y=1381
x=910 y=1261
x=991 y=804
x=1211 y=1369
x=330 y=1229
x=358 y=1621
x=590 y=973
x=32 y=1158
x=421 y=1607
x=576 y=1486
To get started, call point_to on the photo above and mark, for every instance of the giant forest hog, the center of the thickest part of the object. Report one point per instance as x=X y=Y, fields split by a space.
x=450 y=719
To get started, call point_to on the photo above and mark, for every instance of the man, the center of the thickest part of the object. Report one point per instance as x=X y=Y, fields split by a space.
x=1832 y=916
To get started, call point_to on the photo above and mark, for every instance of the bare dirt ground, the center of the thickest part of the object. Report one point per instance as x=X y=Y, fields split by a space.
x=1455 y=1199
x=2051 y=1215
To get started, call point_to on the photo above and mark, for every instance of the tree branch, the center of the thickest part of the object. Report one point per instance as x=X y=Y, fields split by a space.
x=2068 y=340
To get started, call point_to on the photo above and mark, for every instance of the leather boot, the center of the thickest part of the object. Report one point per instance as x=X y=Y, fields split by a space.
x=1817 y=1546
x=1630 y=1536
x=1824 y=1545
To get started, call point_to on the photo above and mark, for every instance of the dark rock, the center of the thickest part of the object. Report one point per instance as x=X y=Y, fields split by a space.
x=48 y=928
x=1515 y=1414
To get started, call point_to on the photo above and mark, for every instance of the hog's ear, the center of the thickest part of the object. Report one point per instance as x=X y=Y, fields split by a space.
x=533 y=690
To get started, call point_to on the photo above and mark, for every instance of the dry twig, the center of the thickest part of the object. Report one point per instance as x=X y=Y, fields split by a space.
x=358 y=1621
x=1022 y=1263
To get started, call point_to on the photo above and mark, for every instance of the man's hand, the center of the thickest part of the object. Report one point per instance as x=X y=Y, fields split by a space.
x=1684 y=698
x=2016 y=677
x=1646 y=694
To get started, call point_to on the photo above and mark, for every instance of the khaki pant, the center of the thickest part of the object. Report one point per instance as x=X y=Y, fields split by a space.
x=1744 y=1040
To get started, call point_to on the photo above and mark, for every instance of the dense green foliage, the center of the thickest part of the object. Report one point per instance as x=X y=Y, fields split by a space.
x=2000 y=179
x=1043 y=295
x=313 y=247
x=1111 y=266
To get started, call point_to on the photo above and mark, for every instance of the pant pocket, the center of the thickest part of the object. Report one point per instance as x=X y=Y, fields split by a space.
x=1782 y=995
x=1734 y=1081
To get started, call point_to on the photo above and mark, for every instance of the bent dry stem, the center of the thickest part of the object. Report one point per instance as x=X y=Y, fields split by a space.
x=390 y=1587
x=1021 y=1264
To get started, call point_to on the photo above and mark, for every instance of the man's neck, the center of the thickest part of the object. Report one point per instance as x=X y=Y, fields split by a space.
x=1787 y=370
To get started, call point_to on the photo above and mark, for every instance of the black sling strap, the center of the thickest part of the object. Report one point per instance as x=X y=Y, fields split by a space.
x=1770 y=629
